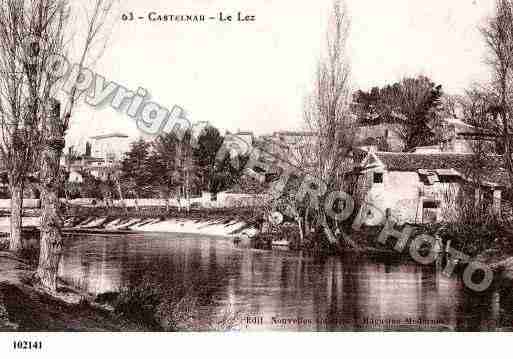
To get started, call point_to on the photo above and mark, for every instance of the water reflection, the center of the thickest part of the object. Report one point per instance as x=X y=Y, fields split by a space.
x=288 y=291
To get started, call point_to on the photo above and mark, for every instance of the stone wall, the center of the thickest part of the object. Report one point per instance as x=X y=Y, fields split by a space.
x=233 y=200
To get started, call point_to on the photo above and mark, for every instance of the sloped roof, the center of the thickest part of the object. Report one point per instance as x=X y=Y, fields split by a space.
x=490 y=169
x=295 y=133
x=406 y=161
x=110 y=135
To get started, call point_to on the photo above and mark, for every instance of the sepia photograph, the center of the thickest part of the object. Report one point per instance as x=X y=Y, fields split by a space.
x=256 y=167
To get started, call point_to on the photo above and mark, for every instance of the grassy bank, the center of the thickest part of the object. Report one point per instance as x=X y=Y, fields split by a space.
x=166 y=305
x=24 y=306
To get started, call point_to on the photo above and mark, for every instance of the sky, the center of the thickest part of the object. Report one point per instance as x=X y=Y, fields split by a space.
x=254 y=75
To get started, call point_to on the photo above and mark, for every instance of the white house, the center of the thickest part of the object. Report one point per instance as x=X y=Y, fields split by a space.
x=426 y=187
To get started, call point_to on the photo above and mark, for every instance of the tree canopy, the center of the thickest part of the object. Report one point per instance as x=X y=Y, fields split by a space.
x=412 y=105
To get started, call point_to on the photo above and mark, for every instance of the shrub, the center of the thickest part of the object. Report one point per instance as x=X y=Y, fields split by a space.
x=174 y=314
x=138 y=304
x=176 y=308
x=4 y=244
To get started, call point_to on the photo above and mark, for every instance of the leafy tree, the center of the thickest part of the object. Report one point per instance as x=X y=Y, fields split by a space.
x=163 y=166
x=171 y=166
x=411 y=105
x=498 y=36
x=228 y=171
x=135 y=177
x=208 y=144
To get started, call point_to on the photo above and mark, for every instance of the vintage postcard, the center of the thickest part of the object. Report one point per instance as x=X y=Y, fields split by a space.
x=258 y=166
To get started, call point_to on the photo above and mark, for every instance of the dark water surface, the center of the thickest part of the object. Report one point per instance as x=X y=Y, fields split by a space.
x=277 y=290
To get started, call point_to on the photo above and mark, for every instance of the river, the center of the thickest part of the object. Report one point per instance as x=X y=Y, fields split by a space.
x=280 y=290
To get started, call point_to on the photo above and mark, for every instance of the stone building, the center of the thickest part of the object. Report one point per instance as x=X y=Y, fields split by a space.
x=424 y=188
x=380 y=136
x=110 y=147
x=457 y=136
x=295 y=147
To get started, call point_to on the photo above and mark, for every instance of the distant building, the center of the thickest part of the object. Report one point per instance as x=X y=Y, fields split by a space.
x=460 y=137
x=110 y=147
x=102 y=157
x=384 y=137
x=295 y=147
x=96 y=167
x=293 y=138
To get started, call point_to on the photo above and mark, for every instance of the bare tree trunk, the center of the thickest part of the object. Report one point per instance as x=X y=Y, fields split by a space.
x=498 y=35
x=505 y=124
x=307 y=222
x=66 y=195
x=301 y=232
x=51 y=220
x=178 y=199
x=121 y=198
x=187 y=194
x=16 y=244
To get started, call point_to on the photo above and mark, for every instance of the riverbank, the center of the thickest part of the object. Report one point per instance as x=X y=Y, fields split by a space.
x=150 y=306
x=26 y=307
x=491 y=243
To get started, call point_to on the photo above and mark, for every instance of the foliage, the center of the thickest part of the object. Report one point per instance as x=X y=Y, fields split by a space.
x=473 y=239
x=170 y=308
x=226 y=174
x=135 y=177
x=138 y=303
x=498 y=37
x=163 y=165
x=178 y=165
x=412 y=104
x=90 y=187
x=208 y=144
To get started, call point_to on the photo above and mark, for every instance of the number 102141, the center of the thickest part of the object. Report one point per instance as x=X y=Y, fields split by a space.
x=27 y=345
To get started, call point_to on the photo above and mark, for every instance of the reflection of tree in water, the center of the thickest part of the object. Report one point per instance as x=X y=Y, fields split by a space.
x=351 y=312
x=475 y=310
x=335 y=293
x=184 y=273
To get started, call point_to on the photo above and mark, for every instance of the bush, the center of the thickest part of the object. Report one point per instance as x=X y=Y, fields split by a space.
x=174 y=314
x=138 y=304
x=473 y=239
x=4 y=244
x=176 y=308
x=31 y=255
x=153 y=307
